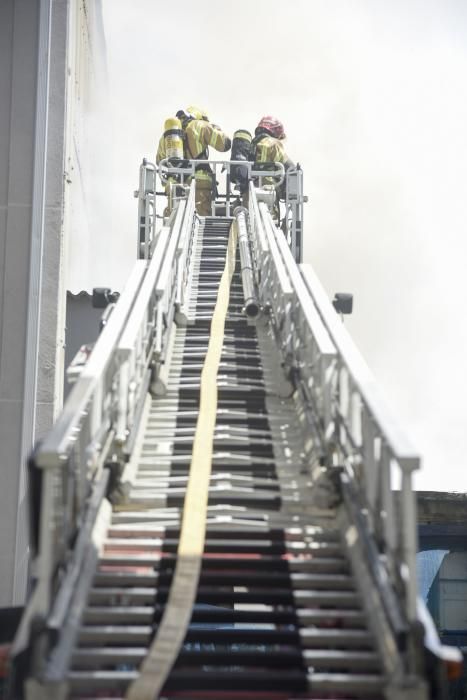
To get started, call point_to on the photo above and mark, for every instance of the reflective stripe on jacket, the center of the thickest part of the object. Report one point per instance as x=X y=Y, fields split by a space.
x=199 y=135
x=161 y=152
x=269 y=149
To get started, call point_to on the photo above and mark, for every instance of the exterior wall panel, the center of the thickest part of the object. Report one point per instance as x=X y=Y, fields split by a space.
x=19 y=24
x=46 y=147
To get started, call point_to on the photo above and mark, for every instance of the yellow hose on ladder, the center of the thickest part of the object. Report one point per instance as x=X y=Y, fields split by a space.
x=166 y=645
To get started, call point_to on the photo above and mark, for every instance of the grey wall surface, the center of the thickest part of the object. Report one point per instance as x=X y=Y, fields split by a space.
x=18 y=79
x=31 y=204
x=82 y=326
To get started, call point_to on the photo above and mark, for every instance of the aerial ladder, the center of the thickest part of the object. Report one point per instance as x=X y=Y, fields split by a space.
x=224 y=508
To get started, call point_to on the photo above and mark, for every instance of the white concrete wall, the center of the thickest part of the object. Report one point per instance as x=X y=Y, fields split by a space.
x=89 y=165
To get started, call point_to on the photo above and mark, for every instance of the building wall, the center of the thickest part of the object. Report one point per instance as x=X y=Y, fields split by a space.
x=19 y=37
x=89 y=171
x=52 y=54
x=82 y=326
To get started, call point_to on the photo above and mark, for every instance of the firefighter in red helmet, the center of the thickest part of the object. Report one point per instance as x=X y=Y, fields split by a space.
x=268 y=143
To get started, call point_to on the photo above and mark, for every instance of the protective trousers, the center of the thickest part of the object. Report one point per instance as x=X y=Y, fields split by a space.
x=203 y=197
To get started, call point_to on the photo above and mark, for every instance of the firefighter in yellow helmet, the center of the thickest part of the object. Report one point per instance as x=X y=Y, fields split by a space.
x=199 y=134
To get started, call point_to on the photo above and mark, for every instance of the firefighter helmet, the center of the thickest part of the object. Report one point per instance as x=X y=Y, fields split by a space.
x=192 y=112
x=199 y=111
x=273 y=126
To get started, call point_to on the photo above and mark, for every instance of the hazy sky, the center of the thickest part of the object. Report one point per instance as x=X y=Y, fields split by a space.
x=373 y=94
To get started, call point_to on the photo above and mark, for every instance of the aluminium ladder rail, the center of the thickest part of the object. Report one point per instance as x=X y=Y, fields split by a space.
x=277 y=608
x=303 y=588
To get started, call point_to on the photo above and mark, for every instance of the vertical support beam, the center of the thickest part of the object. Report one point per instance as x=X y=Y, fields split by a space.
x=409 y=535
x=387 y=502
x=28 y=430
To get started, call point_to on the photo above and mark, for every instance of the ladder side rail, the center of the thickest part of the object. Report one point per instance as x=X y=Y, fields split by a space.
x=141 y=233
x=186 y=281
x=137 y=344
x=294 y=200
x=275 y=290
x=277 y=272
x=70 y=577
x=358 y=530
x=184 y=249
x=71 y=455
x=140 y=318
x=340 y=403
x=168 y=286
x=133 y=366
x=143 y=344
x=170 y=255
x=307 y=347
x=146 y=195
x=60 y=440
x=98 y=407
x=149 y=226
x=259 y=242
x=377 y=448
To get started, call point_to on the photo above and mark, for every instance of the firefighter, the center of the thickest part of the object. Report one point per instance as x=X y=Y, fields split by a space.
x=199 y=134
x=268 y=144
x=267 y=147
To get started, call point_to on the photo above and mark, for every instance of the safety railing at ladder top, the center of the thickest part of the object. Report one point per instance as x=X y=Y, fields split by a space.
x=354 y=424
x=178 y=178
x=186 y=170
x=180 y=175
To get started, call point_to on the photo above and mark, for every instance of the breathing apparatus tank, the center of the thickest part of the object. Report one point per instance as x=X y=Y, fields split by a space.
x=173 y=140
x=241 y=150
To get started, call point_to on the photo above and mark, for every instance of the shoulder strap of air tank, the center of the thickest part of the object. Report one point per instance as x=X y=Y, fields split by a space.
x=258 y=139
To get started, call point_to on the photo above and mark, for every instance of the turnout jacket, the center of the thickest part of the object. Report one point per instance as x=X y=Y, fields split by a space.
x=270 y=149
x=199 y=135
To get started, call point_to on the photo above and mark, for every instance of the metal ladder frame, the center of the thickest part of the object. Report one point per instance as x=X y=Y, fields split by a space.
x=354 y=430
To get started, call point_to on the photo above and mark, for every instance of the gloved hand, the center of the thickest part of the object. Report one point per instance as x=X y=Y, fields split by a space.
x=228 y=144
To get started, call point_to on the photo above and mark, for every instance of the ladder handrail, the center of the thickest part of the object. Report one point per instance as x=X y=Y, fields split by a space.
x=357 y=428
x=189 y=167
x=382 y=444
x=60 y=440
x=99 y=414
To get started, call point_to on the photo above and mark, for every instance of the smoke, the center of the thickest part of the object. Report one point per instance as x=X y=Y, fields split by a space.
x=374 y=100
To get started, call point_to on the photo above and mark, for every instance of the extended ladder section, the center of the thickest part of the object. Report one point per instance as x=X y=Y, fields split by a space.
x=215 y=505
